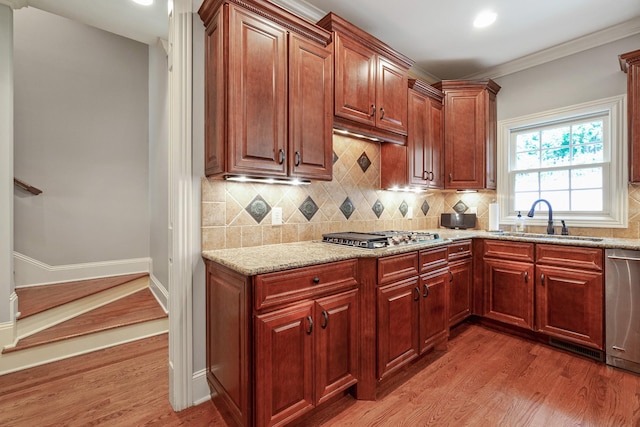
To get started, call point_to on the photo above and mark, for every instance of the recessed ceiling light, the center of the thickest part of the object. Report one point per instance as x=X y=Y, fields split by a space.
x=144 y=2
x=484 y=19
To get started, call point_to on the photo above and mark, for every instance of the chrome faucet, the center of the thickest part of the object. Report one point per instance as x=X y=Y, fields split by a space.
x=550 y=229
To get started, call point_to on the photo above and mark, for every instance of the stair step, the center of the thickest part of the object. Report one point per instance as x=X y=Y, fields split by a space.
x=36 y=299
x=136 y=308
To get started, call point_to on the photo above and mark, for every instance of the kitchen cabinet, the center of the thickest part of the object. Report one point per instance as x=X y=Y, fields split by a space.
x=279 y=344
x=370 y=89
x=509 y=282
x=630 y=64
x=268 y=92
x=570 y=293
x=304 y=355
x=421 y=162
x=461 y=281
x=470 y=133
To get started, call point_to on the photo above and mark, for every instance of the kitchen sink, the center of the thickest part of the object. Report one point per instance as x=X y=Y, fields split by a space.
x=549 y=236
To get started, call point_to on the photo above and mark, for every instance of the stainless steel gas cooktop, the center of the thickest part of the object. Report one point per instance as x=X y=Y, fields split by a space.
x=378 y=239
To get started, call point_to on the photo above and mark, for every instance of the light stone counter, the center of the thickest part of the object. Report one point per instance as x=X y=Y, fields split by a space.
x=269 y=258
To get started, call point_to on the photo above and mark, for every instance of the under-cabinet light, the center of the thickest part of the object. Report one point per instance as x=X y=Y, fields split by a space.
x=242 y=178
x=466 y=191
x=407 y=189
x=355 y=135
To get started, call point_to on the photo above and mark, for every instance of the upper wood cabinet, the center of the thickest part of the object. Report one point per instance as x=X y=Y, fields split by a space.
x=370 y=83
x=269 y=92
x=421 y=162
x=470 y=133
x=630 y=64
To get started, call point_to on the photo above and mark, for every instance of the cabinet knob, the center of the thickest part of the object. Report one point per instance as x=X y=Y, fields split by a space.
x=373 y=110
x=381 y=113
x=542 y=279
x=297 y=158
x=316 y=280
x=426 y=291
x=450 y=276
x=526 y=277
x=281 y=161
x=450 y=177
x=460 y=249
x=417 y=297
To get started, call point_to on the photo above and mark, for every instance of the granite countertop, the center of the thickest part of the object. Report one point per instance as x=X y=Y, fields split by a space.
x=269 y=258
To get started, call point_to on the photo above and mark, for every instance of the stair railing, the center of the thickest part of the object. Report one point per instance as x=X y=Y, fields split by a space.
x=31 y=189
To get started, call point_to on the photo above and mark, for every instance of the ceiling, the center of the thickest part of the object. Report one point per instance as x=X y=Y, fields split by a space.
x=437 y=34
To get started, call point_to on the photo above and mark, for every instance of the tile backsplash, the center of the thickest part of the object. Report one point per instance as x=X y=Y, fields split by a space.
x=239 y=214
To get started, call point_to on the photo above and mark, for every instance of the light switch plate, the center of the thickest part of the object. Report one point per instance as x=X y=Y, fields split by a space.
x=276 y=216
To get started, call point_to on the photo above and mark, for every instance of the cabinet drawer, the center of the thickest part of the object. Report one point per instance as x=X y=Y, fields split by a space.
x=570 y=256
x=430 y=259
x=461 y=249
x=397 y=267
x=274 y=289
x=516 y=251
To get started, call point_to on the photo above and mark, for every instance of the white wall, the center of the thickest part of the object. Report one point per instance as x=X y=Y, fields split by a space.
x=586 y=76
x=81 y=135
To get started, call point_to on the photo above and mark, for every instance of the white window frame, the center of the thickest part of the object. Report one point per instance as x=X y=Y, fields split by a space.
x=615 y=186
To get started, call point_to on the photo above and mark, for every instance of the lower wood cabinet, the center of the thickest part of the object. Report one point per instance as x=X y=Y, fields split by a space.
x=461 y=281
x=509 y=292
x=305 y=354
x=434 y=313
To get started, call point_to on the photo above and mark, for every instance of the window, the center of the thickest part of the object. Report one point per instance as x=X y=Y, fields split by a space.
x=575 y=158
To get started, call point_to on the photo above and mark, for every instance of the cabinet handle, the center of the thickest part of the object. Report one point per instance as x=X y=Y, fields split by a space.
x=373 y=110
x=526 y=277
x=297 y=158
x=432 y=176
x=426 y=291
x=325 y=317
x=418 y=294
x=425 y=176
x=281 y=161
x=451 y=276
x=542 y=279
x=310 y=328
x=460 y=249
x=316 y=280
x=381 y=113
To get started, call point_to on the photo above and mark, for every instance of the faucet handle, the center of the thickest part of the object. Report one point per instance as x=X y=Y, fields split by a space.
x=565 y=230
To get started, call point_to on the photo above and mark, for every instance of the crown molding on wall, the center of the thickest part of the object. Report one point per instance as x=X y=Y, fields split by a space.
x=15 y=4
x=599 y=38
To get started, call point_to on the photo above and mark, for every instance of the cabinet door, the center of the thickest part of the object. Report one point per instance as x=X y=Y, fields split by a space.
x=215 y=142
x=570 y=304
x=397 y=325
x=459 y=290
x=257 y=99
x=417 y=139
x=283 y=365
x=509 y=292
x=336 y=335
x=435 y=149
x=434 y=318
x=310 y=109
x=355 y=87
x=464 y=139
x=391 y=97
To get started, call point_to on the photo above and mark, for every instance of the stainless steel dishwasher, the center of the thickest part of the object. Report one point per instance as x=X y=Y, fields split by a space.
x=622 y=308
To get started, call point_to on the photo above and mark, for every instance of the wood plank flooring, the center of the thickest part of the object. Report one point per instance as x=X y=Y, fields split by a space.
x=109 y=316
x=36 y=299
x=486 y=378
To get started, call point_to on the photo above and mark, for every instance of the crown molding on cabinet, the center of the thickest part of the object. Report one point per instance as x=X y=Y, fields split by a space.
x=15 y=4
x=599 y=38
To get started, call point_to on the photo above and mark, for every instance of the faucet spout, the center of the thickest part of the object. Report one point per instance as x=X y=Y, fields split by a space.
x=550 y=229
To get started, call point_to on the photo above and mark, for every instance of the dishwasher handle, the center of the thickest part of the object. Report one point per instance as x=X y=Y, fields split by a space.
x=623 y=258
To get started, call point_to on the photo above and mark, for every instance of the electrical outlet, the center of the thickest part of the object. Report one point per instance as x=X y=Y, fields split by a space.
x=276 y=216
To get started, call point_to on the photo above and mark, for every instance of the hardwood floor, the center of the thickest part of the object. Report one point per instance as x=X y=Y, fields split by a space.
x=486 y=378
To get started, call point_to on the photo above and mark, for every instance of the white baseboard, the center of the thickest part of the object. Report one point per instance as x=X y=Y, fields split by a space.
x=159 y=291
x=200 y=391
x=31 y=272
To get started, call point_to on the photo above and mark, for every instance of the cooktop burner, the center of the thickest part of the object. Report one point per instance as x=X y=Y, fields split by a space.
x=378 y=239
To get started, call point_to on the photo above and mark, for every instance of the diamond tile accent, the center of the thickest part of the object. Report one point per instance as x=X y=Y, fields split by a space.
x=425 y=207
x=378 y=208
x=308 y=208
x=335 y=157
x=347 y=208
x=258 y=208
x=364 y=161
x=404 y=208
x=460 y=207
